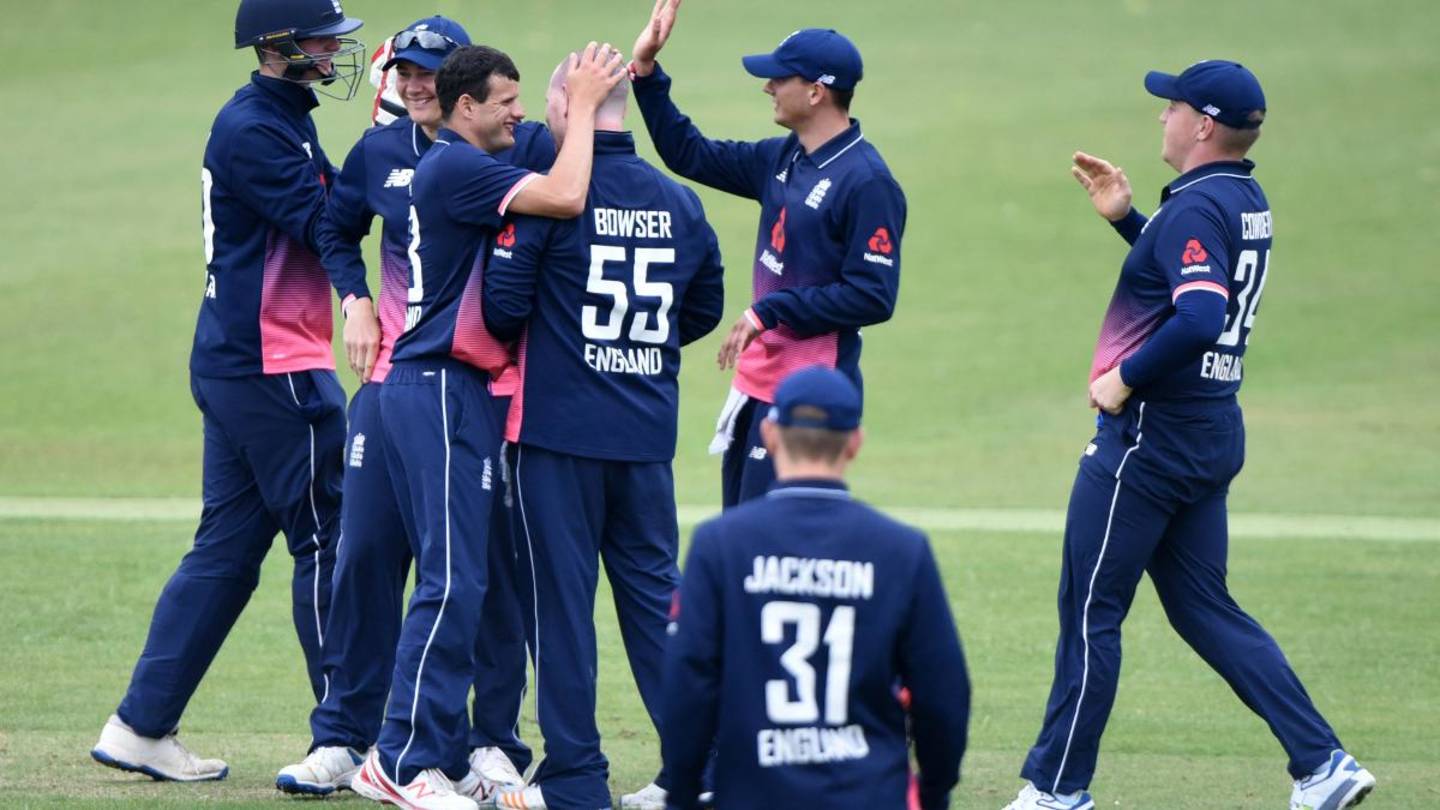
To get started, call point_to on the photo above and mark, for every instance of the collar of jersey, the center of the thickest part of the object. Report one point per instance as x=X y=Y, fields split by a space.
x=614 y=143
x=809 y=487
x=297 y=97
x=1228 y=168
x=836 y=146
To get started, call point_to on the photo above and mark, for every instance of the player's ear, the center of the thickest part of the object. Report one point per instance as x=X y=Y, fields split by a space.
x=852 y=445
x=770 y=437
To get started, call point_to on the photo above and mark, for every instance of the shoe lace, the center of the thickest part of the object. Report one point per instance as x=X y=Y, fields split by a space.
x=439 y=782
x=496 y=766
x=191 y=760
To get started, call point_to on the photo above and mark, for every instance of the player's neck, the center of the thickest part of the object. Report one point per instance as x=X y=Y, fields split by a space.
x=821 y=128
x=1203 y=154
x=430 y=130
x=786 y=470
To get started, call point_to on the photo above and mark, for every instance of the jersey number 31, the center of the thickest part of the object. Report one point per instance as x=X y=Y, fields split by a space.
x=840 y=641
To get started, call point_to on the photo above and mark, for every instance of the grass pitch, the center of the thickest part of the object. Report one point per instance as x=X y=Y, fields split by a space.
x=975 y=390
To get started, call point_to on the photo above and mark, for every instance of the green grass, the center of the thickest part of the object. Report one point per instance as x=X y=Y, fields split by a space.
x=1177 y=732
x=975 y=390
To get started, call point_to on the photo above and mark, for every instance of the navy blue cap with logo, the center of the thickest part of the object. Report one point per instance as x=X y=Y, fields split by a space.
x=817 y=54
x=427 y=42
x=1225 y=91
x=817 y=397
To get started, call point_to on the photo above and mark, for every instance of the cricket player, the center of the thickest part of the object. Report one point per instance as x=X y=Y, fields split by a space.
x=827 y=252
x=1150 y=492
x=440 y=425
x=373 y=555
x=800 y=617
x=601 y=305
x=262 y=374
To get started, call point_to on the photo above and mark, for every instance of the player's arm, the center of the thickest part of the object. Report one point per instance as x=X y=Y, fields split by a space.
x=1110 y=193
x=704 y=303
x=279 y=181
x=869 y=273
x=1192 y=247
x=689 y=711
x=345 y=222
x=738 y=167
x=561 y=193
x=512 y=266
x=932 y=667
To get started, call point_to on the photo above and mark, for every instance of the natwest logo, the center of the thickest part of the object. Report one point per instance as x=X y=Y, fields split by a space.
x=1194 y=253
x=880 y=242
x=777 y=233
x=506 y=238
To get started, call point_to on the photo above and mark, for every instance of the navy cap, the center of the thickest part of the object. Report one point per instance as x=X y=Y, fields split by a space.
x=817 y=397
x=430 y=40
x=1225 y=91
x=818 y=54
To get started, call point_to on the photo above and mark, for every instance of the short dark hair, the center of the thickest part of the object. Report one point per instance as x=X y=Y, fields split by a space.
x=1237 y=141
x=842 y=97
x=810 y=444
x=467 y=71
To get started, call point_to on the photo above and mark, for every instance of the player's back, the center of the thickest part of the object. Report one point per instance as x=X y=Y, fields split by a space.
x=618 y=291
x=820 y=600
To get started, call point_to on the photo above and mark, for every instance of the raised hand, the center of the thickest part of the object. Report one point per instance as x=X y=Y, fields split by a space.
x=1107 y=185
x=653 y=36
x=592 y=75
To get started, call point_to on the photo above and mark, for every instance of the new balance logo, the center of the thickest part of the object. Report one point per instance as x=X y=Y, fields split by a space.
x=817 y=194
x=757 y=453
x=399 y=178
x=357 y=451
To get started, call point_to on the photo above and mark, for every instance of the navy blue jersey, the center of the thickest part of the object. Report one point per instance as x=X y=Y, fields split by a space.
x=375 y=181
x=799 y=617
x=827 y=251
x=1210 y=237
x=609 y=297
x=266 y=305
x=458 y=198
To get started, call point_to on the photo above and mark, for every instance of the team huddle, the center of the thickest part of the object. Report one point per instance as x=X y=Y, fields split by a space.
x=517 y=418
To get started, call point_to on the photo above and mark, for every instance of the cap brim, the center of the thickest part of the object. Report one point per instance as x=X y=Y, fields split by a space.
x=1163 y=85
x=427 y=60
x=765 y=66
x=345 y=26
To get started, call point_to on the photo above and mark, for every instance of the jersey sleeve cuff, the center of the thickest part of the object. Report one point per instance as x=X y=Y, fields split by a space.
x=1207 y=286
x=755 y=320
x=515 y=191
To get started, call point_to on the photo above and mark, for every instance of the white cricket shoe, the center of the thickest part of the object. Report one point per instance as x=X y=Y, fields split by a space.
x=325 y=770
x=163 y=759
x=491 y=772
x=650 y=797
x=430 y=790
x=526 y=798
x=1033 y=798
x=1339 y=783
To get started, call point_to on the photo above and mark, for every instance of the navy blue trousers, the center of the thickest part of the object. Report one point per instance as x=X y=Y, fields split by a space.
x=271 y=464
x=746 y=470
x=442 y=446
x=574 y=513
x=371 y=563
x=1150 y=497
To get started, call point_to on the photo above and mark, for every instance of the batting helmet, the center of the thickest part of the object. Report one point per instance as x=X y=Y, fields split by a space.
x=275 y=27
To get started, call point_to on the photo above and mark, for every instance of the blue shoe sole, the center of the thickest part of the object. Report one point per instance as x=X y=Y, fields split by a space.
x=289 y=784
x=111 y=762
